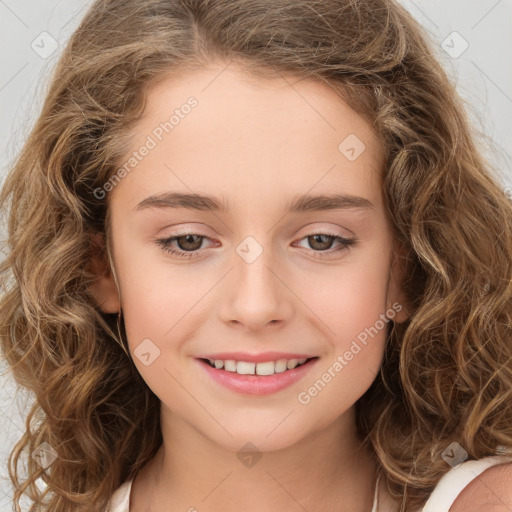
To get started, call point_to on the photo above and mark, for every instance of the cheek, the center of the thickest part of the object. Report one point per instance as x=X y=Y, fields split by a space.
x=157 y=295
x=352 y=306
x=350 y=299
x=357 y=336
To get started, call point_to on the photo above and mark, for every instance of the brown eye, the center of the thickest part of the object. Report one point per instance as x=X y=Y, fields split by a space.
x=320 y=242
x=183 y=246
x=189 y=242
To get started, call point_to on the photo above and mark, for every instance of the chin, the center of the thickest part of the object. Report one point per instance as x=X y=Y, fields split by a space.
x=263 y=439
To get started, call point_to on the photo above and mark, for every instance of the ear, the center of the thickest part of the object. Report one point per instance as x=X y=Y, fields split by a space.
x=103 y=289
x=396 y=297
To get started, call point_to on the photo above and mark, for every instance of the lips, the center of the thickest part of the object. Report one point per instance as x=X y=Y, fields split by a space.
x=249 y=381
x=255 y=358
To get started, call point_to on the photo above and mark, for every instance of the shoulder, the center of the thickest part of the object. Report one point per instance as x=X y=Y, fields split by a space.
x=491 y=491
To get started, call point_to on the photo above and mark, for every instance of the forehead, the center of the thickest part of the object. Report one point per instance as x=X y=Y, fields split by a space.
x=245 y=133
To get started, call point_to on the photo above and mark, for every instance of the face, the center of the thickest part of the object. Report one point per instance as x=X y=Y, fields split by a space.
x=255 y=273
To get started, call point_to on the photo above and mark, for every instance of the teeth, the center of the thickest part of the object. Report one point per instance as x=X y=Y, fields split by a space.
x=230 y=366
x=244 y=368
x=292 y=363
x=266 y=368
x=280 y=366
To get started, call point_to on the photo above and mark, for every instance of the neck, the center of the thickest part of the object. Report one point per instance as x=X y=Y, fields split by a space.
x=328 y=470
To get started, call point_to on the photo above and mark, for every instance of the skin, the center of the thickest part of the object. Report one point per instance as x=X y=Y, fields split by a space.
x=256 y=143
x=491 y=491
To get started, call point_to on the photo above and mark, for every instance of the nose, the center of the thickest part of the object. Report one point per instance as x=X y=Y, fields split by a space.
x=255 y=295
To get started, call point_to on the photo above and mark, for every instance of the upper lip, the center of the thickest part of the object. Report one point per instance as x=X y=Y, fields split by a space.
x=254 y=358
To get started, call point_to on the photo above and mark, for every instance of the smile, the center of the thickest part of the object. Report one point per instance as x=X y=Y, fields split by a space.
x=256 y=378
x=264 y=368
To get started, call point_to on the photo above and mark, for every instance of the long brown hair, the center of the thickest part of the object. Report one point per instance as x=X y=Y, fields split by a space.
x=447 y=371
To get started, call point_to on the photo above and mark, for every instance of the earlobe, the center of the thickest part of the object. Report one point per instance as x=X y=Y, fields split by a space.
x=103 y=289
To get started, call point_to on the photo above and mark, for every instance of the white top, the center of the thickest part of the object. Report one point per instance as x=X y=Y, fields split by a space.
x=442 y=498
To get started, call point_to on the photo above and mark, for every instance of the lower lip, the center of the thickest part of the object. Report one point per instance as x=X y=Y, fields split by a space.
x=257 y=384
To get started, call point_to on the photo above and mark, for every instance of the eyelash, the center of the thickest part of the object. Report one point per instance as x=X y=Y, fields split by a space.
x=165 y=243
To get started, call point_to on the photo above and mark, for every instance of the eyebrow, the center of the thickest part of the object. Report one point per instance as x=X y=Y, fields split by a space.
x=298 y=204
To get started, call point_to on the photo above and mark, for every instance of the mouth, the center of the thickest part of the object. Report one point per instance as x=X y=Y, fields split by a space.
x=262 y=369
x=256 y=378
